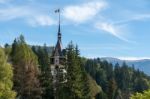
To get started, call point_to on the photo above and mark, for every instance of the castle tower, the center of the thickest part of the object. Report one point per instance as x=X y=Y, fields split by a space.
x=58 y=62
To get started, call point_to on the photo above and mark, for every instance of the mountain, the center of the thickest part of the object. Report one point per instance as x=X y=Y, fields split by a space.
x=142 y=65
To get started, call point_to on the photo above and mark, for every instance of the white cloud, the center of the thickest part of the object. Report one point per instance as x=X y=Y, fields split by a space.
x=13 y=13
x=42 y=20
x=28 y=14
x=112 y=29
x=135 y=17
x=133 y=58
x=81 y=13
x=117 y=28
x=142 y=17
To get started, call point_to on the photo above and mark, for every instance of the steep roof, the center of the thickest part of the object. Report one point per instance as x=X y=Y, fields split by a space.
x=58 y=49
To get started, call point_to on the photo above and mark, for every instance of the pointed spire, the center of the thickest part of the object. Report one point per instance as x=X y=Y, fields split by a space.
x=58 y=47
x=59 y=28
x=59 y=21
x=59 y=31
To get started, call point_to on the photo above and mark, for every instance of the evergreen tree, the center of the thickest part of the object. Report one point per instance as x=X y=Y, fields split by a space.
x=101 y=95
x=86 y=91
x=141 y=84
x=112 y=88
x=45 y=76
x=77 y=79
x=13 y=50
x=118 y=94
x=101 y=79
x=6 y=74
x=127 y=79
x=26 y=71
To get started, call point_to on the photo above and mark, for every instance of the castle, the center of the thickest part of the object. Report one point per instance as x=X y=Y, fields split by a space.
x=58 y=64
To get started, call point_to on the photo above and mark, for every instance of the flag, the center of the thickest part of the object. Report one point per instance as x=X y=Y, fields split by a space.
x=57 y=11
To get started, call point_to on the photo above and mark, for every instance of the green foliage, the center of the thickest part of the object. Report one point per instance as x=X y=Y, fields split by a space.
x=118 y=81
x=77 y=80
x=112 y=89
x=141 y=84
x=86 y=78
x=94 y=88
x=144 y=95
x=26 y=71
x=6 y=74
x=7 y=49
x=101 y=95
x=74 y=73
x=45 y=76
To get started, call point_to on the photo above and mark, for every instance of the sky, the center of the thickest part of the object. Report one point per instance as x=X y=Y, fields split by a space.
x=101 y=28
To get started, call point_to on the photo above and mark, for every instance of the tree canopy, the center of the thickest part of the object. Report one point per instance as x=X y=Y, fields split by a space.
x=144 y=95
x=6 y=74
x=30 y=75
x=26 y=70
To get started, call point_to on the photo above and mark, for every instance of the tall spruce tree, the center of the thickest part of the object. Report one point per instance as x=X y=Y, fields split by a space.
x=26 y=71
x=45 y=76
x=6 y=74
x=77 y=79
x=112 y=89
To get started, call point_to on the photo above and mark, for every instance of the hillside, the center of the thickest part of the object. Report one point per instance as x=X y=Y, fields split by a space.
x=142 y=65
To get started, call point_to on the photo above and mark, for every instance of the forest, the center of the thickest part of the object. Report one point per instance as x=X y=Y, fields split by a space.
x=25 y=73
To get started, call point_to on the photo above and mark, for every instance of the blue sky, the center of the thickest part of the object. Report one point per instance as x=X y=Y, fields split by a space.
x=101 y=28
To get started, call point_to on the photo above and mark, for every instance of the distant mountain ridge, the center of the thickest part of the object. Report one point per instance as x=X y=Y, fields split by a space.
x=143 y=64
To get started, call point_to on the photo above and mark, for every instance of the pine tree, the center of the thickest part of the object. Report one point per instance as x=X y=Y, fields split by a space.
x=13 y=50
x=6 y=74
x=45 y=76
x=112 y=89
x=26 y=71
x=77 y=79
